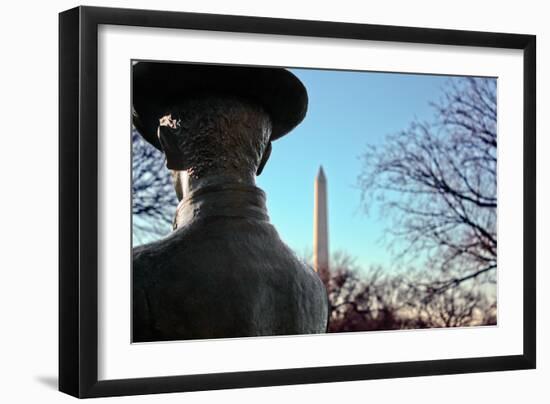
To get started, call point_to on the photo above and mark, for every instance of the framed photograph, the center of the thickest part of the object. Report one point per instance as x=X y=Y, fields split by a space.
x=250 y=201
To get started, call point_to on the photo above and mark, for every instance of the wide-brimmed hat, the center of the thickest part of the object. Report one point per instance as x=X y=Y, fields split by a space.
x=157 y=86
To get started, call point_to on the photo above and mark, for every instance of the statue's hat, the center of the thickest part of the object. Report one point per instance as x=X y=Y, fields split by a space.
x=159 y=86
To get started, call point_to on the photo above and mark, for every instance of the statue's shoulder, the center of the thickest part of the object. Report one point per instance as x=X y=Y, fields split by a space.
x=164 y=257
x=147 y=251
x=146 y=257
x=162 y=247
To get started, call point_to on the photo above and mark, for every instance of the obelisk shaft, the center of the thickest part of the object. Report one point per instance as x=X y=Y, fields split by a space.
x=320 y=226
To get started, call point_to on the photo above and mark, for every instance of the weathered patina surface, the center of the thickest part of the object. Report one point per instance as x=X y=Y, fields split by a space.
x=223 y=272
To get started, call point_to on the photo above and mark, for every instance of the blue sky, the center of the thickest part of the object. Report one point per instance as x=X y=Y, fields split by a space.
x=347 y=111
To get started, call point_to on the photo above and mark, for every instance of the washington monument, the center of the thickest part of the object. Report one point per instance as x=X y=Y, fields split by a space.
x=320 y=226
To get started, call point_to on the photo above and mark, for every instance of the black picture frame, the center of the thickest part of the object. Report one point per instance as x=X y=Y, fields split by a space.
x=78 y=201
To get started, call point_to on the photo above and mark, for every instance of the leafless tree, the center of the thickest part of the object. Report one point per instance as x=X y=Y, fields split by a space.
x=438 y=183
x=364 y=300
x=383 y=299
x=153 y=196
x=464 y=305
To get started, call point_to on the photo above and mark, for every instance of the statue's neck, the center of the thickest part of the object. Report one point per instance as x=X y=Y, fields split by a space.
x=221 y=198
x=185 y=184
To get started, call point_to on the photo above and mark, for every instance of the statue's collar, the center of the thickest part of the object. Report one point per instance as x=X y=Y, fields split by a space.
x=222 y=200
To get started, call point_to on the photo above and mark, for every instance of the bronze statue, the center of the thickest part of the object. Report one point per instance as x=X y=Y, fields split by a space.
x=223 y=272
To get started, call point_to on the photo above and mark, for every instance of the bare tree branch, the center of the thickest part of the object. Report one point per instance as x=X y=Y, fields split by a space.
x=437 y=183
x=153 y=196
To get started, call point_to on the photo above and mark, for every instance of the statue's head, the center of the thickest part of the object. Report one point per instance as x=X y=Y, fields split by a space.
x=215 y=135
x=213 y=120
